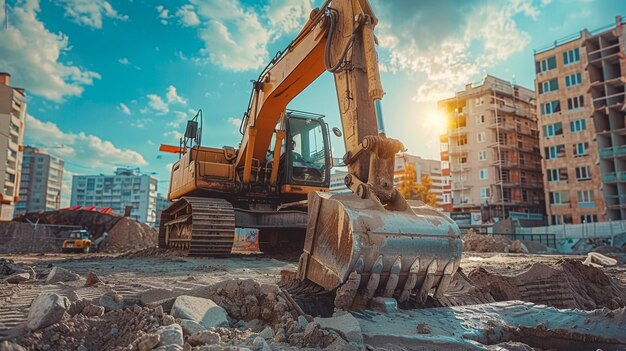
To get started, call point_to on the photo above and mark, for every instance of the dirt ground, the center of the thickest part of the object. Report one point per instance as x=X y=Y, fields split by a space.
x=152 y=275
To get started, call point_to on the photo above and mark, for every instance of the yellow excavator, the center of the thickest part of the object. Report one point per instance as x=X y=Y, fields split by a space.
x=358 y=245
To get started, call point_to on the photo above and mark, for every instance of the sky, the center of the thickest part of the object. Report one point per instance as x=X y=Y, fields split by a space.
x=109 y=81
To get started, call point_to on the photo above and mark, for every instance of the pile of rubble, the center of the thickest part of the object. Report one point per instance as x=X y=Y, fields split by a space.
x=570 y=284
x=473 y=242
x=240 y=314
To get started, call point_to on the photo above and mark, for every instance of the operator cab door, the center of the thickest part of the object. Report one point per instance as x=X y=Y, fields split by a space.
x=307 y=158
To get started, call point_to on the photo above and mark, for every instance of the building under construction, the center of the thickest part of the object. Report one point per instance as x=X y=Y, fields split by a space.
x=492 y=150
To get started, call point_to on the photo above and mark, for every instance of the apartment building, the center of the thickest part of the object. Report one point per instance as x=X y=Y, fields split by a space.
x=580 y=86
x=422 y=166
x=606 y=72
x=491 y=150
x=12 y=116
x=161 y=204
x=127 y=187
x=41 y=182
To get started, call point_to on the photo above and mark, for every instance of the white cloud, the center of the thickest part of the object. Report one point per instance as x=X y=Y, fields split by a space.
x=173 y=97
x=287 y=16
x=234 y=121
x=157 y=104
x=173 y=135
x=140 y=122
x=179 y=118
x=188 y=16
x=124 y=61
x=32 y=55
x=452 y=44
x=125 y=110
x=90 y=12
x=164 y=14
x=87 y=150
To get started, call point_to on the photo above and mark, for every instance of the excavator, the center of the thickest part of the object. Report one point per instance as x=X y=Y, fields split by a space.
x=358 y=245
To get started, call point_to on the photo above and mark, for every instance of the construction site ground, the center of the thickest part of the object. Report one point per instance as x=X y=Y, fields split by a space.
x=149 y=278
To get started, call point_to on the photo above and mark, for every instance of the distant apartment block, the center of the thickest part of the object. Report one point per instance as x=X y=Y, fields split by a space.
x=161 y=204
x=42 y=179
x=337 y=182
x=422 y=166
x=580 y=96
x=491 y=150
x=12 y=116
x=127 y=187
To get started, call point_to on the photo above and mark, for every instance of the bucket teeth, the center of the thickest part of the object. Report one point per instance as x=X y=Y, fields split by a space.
x=410 y=281
x=348 y=291
x=428 y=281
x=448 y=271
x=372 y=283
x=360 y=265
x=394 y=276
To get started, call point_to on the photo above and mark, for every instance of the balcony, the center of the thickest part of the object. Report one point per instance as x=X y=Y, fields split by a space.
x=460 y=168
x=610 y=152
x=614 y=177
x=461 y=187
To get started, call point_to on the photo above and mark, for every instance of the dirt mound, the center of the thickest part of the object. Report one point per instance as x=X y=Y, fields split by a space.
x=95 y=222
x=570 y=284
x=485 y=243
x=129 y=235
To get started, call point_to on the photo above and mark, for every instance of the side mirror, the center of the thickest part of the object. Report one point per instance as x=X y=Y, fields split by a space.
x=337 y=132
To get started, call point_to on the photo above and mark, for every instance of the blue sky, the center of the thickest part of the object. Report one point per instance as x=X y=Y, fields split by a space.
x=110 y=81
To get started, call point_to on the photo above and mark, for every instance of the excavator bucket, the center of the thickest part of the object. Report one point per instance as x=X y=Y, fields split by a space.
x=360 y=249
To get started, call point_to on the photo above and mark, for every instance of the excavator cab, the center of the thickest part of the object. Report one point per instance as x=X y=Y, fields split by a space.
x=307 y=158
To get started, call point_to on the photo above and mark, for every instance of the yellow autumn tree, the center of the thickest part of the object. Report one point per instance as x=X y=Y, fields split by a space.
x=412 y=190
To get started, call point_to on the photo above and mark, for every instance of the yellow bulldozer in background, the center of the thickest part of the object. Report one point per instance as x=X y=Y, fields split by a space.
x=79 y=241
x=366 y=243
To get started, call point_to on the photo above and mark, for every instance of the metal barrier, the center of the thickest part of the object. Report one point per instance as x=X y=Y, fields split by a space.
x=544 y=238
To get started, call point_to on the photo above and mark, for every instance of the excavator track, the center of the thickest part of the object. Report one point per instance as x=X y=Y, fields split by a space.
x=202 y=227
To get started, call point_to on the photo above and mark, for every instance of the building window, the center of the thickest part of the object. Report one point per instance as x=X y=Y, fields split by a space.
x=558 y=219
x=480 y=119
x=577 y=125
x=588 y=218
x=556 y=151
x=571 y=56
x=444 y=147
x=573 y=79
x=548 y=86
x=585 y=198
x=557 y=175
x=551 y=107
x=583 y=173
x=482 y=155
x=484 y=193
x=575 y=102
x=580 y=149
x=545 y=64
x=551 y=130
x=445 y=165
x=480 y=137
x=461 y=141
x=483 y=174
x=559 y=197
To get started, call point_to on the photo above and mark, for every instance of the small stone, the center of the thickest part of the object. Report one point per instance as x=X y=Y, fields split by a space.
x=170 y=335
x=191 y=327
x=384 y=304
x=345 y=324
x=82 y=348
x=114 y=331
x=92 y=310
x=92 y=279
x=168 y=320
x=111 y=301
x=46 y=309
x=58 y=274
x=260 y=344
x=204 y=338
x=148 y=341
x=280 y=335
x=267 y=333
x=17 y=278
x=302 y=322
x=423 y=328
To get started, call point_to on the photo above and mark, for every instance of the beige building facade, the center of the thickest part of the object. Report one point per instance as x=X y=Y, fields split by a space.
x=580 y=97
x=492 y=150
x=41 y=182
x=423 y=166
x=12 y=117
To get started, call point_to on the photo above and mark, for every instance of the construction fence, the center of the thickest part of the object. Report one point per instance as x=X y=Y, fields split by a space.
x=576 y=231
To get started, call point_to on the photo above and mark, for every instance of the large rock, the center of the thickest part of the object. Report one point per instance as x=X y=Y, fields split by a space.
x=171 y=337
x=147 y=342
x=47 y=309
x=58 y=274
x=191 y=327
x=345 y=324
x=17 y=278
x=200 y=310
x=204 y=338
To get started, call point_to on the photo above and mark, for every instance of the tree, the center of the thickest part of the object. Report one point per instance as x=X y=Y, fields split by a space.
x=411 y=190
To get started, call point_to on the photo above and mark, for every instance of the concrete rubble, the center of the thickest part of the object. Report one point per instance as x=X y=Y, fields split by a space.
x=103 y=304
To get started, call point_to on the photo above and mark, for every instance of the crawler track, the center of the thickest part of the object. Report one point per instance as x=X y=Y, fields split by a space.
x=203 y=227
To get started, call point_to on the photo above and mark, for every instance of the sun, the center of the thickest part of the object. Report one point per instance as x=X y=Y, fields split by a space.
x=437 y=121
